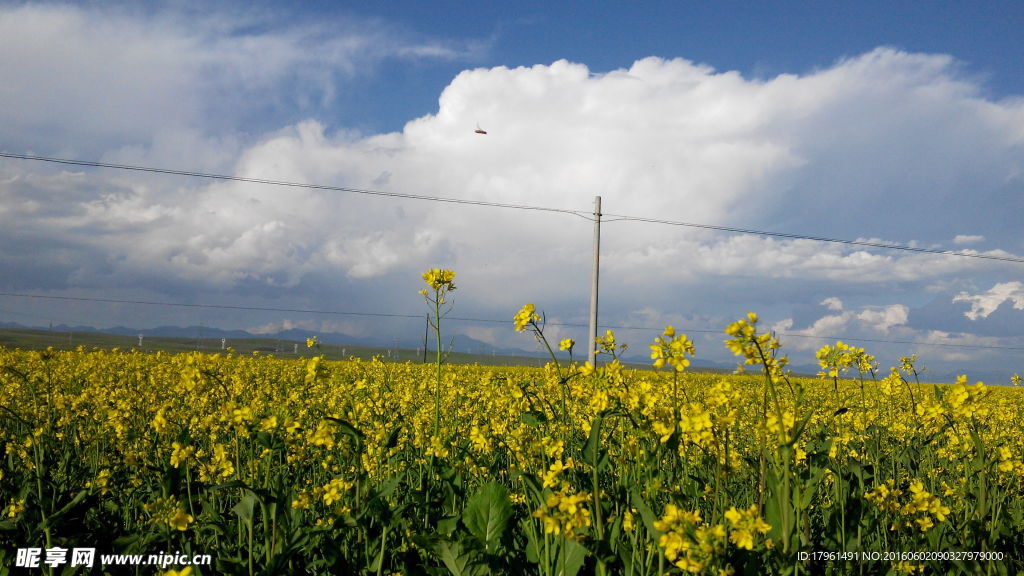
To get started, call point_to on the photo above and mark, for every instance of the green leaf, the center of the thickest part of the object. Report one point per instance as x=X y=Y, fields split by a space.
x=533 y=544
x=533 y=418
x=68 y=507
x=591 y=451
x=773 y=516
x=627 y=558
x=800 y=427
x=487 y=514
x=570 y=558
x=229 y=485
x=645 y=513
x=244 y=508
x=347 y=428
x=448 y=524
x=810 y=487
x=393 y=438
x=458 y=562
x=266 y=440
x=531 y=483
x=126 y=543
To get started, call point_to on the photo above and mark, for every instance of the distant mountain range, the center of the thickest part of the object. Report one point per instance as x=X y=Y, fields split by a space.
x=457 y=343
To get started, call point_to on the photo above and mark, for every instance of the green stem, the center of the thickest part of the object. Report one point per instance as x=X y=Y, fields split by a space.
x=437 y=385
x=380 y=559
x=784 y=498
x=675 y=400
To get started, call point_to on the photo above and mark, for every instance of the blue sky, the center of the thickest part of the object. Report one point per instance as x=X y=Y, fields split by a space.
x=759 y=39
x=886 y=122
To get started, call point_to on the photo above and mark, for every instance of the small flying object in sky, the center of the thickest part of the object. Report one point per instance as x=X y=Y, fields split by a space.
x=480 y=130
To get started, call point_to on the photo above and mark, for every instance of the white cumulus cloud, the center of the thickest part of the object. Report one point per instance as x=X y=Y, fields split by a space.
x=985 y=303
x=962 y=239
x=832 y=303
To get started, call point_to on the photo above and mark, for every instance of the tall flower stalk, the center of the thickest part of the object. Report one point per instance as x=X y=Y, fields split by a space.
x=672 y=350
x=527 y=319
x=441 y=282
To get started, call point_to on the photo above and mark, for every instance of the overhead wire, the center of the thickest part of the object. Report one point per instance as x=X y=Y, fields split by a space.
x=285 y=183
x=865 y=243
x=579 y=213
x=478 y=320
x=606 y=218
x=209 y=306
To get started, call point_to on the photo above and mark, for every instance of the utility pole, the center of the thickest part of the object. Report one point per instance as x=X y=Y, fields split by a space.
x=591 y=353
x=426 y=331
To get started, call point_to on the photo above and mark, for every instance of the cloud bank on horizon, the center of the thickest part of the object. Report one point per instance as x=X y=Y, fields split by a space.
x=887 y=146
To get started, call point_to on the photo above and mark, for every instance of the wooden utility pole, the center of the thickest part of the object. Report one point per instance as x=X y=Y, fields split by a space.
x=426 y=332
x=591 y=353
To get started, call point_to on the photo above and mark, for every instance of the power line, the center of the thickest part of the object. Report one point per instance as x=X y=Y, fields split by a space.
x=580 y=213
x=822 y=337
x=481 y=320
x=911 y=342
x=192 y=174
x=210 y=306
x=888 y=246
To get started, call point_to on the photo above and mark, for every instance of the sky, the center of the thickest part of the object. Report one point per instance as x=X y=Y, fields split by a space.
x=885 y=122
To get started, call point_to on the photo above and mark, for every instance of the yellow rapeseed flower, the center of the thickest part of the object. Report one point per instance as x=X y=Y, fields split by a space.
x=439 y=279
x=180 y=520
x=527 y=315
x=672 y=349
x=15 y=507
x=564 y=512
x=180 y=453
x=745 y=525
